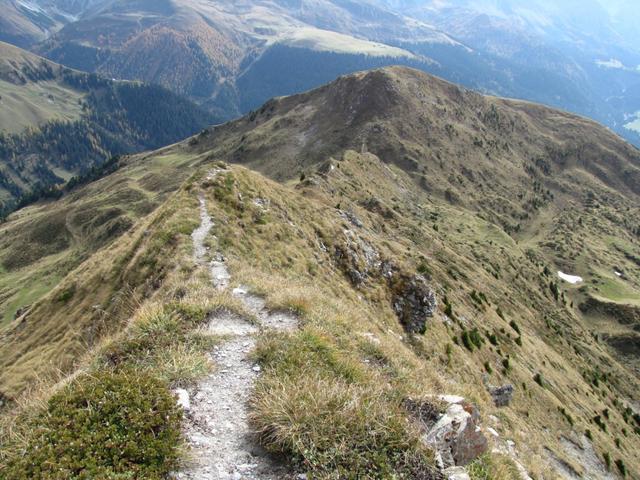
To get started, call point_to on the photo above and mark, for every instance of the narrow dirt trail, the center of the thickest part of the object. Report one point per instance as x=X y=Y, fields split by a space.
x=217 y=428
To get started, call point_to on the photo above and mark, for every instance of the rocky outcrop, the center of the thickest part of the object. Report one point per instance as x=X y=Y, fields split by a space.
x=414 y=302
x=502 y=396
x=457 y=437
x=412 y=298
x=357 y=258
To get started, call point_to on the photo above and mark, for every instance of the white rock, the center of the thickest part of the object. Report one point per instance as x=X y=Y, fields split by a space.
x=451 y=399
x=456 y=473
x=183 y=398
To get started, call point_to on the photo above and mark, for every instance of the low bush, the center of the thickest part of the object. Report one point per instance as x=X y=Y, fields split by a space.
x=622 y=468
x=102 y=426
x=515 y=326
x=539 y=379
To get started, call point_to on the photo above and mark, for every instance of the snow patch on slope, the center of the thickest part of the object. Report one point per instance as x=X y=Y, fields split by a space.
x=573 y=279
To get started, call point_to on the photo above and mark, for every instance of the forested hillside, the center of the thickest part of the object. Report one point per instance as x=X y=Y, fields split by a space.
x=112 y=118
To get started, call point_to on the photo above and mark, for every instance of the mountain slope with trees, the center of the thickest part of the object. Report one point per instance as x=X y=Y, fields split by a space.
x=74 y=122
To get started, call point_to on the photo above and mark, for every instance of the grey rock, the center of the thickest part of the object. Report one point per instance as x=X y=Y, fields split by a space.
x=183 y=398
x=457 y=437
x=502 y=396
x=351 y=218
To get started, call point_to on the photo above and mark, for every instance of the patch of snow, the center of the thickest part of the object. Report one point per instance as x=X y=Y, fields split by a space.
x=572 y=279
x=611 y=63
x=618 y=274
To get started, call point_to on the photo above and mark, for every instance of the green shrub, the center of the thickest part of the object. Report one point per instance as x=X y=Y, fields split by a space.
x=67 y=294
x=476 y=338
x=600 y=423
x=102 y=426
x=566 y=415
x=607 y=460
x=515 y=326
x=539 y=379
x=487 y=367
x=506 y=363
x=466 y=340
x=621 y=467
x=448 y=309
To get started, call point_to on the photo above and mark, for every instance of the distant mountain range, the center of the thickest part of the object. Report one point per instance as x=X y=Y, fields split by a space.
x=230 y=56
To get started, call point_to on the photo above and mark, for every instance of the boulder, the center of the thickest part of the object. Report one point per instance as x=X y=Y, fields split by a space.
x=502 y=396
x=457 y=438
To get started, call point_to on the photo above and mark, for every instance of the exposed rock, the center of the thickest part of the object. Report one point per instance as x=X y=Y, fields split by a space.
x=457 y=437
x=351 y=218
x=387 y=269
x=183 y=398
x=456 y=473
x=581 y=450
x=414 y=302
x=502 y=396
x=357 y=258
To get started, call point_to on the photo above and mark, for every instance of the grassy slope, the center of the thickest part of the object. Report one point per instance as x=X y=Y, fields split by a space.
x=26 y=103
x=56 y=123
x=48 y=242
x=31 y=105
x=352 y=352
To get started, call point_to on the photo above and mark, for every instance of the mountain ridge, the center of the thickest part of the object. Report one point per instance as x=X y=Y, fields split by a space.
x=418 y=237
